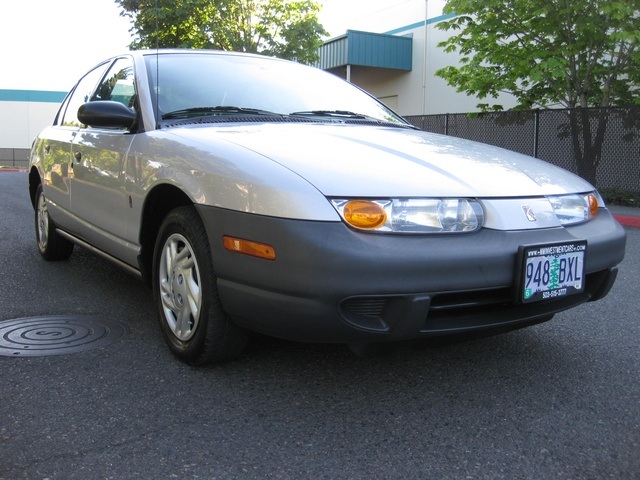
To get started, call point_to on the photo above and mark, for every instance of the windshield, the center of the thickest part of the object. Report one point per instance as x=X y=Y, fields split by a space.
x=204 y=82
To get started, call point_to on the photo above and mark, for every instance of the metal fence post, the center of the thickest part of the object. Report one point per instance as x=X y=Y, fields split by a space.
x=536 y=123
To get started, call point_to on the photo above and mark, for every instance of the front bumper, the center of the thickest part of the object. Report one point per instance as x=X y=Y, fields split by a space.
x=329 y=283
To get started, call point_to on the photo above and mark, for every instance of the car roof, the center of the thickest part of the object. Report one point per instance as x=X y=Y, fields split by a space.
x=191 y=51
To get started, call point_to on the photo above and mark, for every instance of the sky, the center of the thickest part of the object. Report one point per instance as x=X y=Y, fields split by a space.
x=49 y=44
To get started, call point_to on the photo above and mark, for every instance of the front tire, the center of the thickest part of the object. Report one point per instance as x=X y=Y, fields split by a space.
x=195 y=326
x=51 y=245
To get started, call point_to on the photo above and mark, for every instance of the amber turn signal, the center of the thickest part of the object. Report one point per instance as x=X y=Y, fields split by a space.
x=593 y=205
x=364 y=214
x=255 y=249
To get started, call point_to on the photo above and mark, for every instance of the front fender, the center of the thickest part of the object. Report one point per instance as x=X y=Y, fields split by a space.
x=225 y=175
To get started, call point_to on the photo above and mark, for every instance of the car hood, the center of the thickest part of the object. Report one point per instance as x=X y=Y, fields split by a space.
x=370 y=161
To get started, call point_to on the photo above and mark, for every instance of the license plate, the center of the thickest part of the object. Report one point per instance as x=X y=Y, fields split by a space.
x=551 y=271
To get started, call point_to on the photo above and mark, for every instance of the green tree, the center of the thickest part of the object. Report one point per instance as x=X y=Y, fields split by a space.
x=283 y=28
x=566 y=53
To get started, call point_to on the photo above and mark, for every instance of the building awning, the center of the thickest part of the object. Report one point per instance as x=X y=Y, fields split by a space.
x=366 y=49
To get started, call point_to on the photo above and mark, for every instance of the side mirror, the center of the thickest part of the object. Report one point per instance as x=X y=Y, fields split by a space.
x=106 y=113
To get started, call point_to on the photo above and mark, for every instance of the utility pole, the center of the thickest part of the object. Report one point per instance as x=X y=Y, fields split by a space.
x=425 y=59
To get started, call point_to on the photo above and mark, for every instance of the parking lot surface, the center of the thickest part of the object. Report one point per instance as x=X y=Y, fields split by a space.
x=557 y=400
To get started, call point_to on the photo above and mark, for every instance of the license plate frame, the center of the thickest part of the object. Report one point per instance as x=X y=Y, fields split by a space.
x=550 y=271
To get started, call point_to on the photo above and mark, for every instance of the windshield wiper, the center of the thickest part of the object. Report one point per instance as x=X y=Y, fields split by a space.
x=347 y=116
x=220 y=109
x=331 y=113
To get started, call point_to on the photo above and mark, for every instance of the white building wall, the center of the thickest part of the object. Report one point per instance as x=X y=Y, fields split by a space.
x=419 y=92
x=22 y=122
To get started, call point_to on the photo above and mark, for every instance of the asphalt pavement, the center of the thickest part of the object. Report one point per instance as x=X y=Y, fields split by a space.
x=554 y=401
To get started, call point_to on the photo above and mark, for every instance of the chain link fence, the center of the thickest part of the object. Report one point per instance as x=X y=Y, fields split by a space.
x=14 y=157
x=607 y=155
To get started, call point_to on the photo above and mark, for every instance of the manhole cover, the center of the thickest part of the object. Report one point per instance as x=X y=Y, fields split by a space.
x=56 y=335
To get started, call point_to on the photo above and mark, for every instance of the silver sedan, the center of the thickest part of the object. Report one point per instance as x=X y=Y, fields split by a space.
x=255 y=194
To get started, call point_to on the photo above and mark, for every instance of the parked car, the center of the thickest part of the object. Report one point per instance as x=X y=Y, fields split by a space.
x=256 y=194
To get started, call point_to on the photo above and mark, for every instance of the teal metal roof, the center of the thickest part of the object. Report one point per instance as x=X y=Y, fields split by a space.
x=421 y=24
x=31 y=96
x=367 y=49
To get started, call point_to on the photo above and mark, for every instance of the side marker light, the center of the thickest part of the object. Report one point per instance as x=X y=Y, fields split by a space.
x=248 y=247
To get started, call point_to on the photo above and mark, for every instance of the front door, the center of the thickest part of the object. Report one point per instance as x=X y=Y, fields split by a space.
x=98 y=195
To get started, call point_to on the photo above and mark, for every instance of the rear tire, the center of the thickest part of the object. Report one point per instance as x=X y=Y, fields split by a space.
x=51 y=245
x=195 y=326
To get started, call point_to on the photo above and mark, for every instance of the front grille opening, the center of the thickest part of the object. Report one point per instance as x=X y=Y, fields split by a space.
x=475 y=302
x=367 y=313
x=366 y=306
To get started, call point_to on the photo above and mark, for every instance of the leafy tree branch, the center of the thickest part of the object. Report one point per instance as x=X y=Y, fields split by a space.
x=283 y=28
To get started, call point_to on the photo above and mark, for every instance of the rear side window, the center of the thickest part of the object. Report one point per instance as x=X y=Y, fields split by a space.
x=81 y=94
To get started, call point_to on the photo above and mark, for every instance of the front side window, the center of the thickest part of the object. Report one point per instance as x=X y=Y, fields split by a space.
x=118 y=84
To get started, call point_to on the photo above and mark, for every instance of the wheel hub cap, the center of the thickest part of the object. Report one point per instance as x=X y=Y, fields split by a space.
x=180 y=288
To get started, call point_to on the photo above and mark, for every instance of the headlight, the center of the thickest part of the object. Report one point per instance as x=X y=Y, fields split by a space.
x=575 y=208
x=415 y=215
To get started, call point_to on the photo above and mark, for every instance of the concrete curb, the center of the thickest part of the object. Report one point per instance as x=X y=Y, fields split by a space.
x=628 y=220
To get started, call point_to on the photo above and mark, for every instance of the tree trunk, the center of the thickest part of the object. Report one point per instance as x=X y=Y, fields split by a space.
x=587 y=141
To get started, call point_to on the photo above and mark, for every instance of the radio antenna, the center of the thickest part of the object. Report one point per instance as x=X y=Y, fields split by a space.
x=157 y=112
